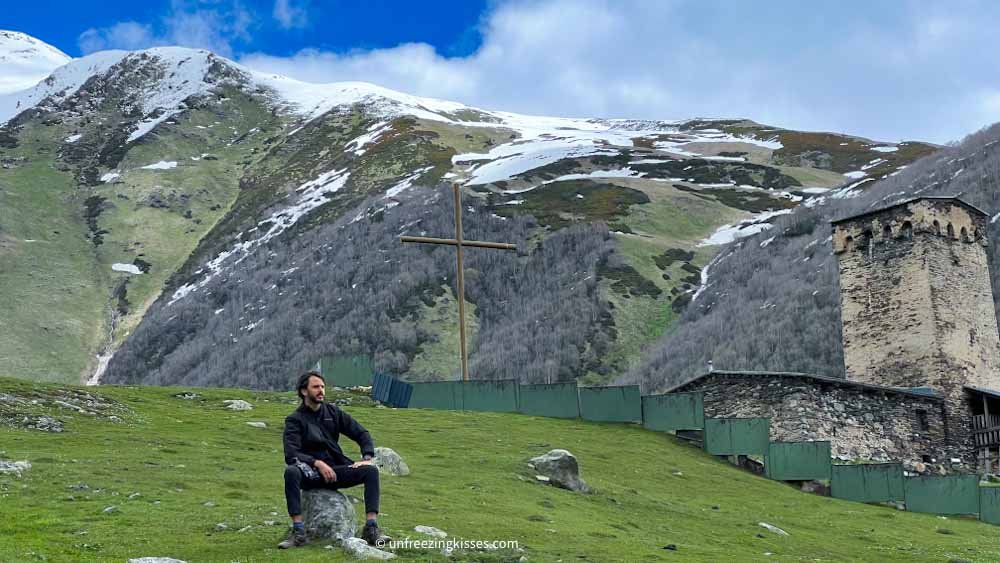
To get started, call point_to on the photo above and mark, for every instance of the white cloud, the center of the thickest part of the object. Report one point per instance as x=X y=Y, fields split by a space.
x=290 y=16
x=122 y=35
x=189 y=23
x=910 y=70
x=865 y=70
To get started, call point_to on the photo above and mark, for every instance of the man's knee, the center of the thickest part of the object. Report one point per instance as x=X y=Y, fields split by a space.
x=369 y=471
x=293 y=473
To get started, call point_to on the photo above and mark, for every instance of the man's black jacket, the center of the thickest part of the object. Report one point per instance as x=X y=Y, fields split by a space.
x=313 y=435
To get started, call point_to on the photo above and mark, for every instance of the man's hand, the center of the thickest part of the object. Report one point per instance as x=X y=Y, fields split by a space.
x=363 y=462
x=325 y=470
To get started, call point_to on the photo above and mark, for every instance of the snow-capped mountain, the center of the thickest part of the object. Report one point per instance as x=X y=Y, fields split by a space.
x=175 y=180
x=24 y=61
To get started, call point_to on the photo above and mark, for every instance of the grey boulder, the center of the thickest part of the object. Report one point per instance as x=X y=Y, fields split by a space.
x=388 y=461
x=15 y=467
x=155 y=560
x=561 y=468
x=328 y=515
x=431 y=531
x=237 y=405
x=361 y=550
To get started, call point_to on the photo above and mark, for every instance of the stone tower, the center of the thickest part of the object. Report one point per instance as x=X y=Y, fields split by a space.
x=916 y=299
x=917 y=303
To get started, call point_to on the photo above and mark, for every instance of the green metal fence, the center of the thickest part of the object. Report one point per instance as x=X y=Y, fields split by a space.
x=611 y=404
x=737 y=436
x=494 y=395
x=951 y=494
x=442 y=395
x=875 y=482
x=556 y=400
x=989 y=504
x=798 y=461
x=346 y=371
x=673 y=411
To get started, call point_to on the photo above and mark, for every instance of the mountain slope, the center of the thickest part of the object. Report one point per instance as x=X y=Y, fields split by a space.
x=202 y=465
x=773 y=302
x=169 y=172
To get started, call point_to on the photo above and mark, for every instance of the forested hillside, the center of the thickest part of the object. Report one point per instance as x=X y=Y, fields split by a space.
x=351 y=287
x=772 y=301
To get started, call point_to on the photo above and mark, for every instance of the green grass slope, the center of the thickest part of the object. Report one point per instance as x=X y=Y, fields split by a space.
x=52 y=293
x=468 y=478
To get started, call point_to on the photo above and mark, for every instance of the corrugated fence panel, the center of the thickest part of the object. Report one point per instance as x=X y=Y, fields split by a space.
x=875 y=482
x=557 y=400
x=951 y=494
x=989 y=504
x=673 y=411
x=798 y=461
x=399 y=394
x=611 y=404
x=737 y=436
x=381 y=386
x=346 y=371
x=493 y=395
x=442 y=395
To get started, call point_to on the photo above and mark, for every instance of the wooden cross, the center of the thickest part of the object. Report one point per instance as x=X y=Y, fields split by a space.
x=458 y=242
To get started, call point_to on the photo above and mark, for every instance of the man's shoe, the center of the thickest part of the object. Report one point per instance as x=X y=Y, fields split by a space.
x=295 y=539
x=372 y=533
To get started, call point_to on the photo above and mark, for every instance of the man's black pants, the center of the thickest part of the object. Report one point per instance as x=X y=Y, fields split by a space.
x=347 y=476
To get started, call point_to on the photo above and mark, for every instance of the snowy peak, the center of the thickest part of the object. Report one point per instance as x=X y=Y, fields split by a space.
x=24 y=61
x=154 y=81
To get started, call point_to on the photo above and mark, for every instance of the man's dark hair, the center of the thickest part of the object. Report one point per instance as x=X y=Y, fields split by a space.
x=304 y=382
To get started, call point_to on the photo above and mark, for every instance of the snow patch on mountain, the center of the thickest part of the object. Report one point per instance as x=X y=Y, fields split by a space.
x=26 y=61
x=127 y=268
x=178 y=74
x=407 y=182
x=311 y=195
x=516 y=158
x=313 y=100
x=728 y=233
x=184 y=75
x=161 y=165
x=358 y=145
x=62 y=83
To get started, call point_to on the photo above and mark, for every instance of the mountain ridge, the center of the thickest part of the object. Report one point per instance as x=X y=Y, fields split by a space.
x=177 y=165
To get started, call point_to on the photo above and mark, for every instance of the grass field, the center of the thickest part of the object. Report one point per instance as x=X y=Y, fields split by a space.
x=53 y=295
x=468 y=478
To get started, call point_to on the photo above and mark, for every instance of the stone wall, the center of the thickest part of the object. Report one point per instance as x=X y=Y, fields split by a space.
x=862 y=423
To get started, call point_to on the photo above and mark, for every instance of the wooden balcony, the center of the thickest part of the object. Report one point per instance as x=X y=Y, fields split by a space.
x=986 y=430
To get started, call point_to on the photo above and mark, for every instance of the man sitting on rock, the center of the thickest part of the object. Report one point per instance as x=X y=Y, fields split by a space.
x=315 y=459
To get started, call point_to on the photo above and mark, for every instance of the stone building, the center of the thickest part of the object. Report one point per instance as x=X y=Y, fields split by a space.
x=921 y=346
x=861 y=421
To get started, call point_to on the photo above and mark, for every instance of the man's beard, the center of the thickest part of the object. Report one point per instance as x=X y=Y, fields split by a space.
x=315 y=399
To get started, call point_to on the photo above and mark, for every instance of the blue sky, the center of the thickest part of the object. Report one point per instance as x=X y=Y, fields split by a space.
x=279 y=28
x=889 y=70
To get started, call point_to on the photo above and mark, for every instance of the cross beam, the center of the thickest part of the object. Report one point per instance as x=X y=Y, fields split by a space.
x=458 y=242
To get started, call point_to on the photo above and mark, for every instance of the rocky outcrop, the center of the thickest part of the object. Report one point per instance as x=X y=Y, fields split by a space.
x=561 y=469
